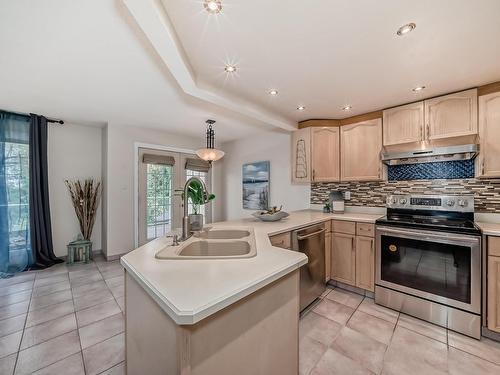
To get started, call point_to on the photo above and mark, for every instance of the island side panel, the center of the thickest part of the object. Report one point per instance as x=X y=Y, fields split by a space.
x=150 y=335
x=257 y=335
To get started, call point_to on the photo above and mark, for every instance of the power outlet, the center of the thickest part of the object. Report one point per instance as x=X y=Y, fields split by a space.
x=347 y=195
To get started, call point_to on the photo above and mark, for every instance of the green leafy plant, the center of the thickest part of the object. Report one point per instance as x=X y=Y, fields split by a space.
x=196 y=196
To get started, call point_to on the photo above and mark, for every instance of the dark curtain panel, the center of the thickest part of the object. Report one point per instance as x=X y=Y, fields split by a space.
x=41 y=229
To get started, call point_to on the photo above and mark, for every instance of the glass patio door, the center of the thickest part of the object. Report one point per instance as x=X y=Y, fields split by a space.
x=160 y=208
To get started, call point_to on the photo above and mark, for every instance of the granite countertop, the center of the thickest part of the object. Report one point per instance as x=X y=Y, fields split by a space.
x=191 y=290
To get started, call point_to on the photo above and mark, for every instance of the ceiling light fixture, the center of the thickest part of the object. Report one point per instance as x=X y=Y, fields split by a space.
x=405 y=29
x=273 y=92
x=213 y=6
x=230 y=69
x=346 y=108
x=301 y=108
x=210 y=153
x=418 y=88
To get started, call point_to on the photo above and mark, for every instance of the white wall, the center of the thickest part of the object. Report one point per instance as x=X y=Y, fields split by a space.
x=74 y=151
x=119 y=165
x=274 y=146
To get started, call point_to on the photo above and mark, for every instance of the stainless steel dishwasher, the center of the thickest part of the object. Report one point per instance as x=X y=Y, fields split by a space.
x=311 y=241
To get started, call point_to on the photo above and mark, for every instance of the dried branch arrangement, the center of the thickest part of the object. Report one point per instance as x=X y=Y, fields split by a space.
x=85 y=196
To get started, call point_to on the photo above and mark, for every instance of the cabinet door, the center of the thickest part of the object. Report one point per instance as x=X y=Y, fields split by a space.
x=451 y=115
x=365 y=263
x=328 y=255
x=325 y=154
x=494 y=293
x=489 y=135
x=301 y=156
x=360 y=146
x=404 y=124
x=343 y=267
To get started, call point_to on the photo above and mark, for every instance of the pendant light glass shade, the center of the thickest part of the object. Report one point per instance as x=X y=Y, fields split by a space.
x=210 y=153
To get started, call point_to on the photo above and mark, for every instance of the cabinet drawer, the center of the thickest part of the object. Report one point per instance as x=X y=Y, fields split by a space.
x=494 y=246
x=281 y=240
x=348 y=227
x=363 y=229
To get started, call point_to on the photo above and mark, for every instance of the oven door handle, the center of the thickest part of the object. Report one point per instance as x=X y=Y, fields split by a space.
x=426 y=235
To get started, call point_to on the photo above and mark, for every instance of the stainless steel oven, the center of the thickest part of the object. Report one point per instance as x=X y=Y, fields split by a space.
x=437 y=266
x=428 y=261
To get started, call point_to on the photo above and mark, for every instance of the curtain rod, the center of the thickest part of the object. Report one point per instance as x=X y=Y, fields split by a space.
x=51 y=120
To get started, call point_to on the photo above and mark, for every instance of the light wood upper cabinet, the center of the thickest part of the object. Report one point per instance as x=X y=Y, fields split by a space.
x=404 y=124
x=451 y=115
x=326 y=154
x=365 y=263
x=494 y=293
x=343 y=266
x=489 y=136
x=360 y=146
x=301 y=156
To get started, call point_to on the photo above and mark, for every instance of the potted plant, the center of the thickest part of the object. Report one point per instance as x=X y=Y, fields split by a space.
x=195 y=195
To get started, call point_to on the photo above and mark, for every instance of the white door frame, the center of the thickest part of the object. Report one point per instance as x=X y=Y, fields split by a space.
x=137 y=146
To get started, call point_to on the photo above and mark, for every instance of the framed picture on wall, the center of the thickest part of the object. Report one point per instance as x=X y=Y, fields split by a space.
x=256 y=185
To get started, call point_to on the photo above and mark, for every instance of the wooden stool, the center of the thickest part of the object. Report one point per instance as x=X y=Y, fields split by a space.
x=79 y=249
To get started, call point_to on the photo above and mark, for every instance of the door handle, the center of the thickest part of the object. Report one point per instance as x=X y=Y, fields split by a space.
x=310 y=234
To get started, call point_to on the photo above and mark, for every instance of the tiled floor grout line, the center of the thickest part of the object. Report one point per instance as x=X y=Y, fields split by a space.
x=77 y=328
x=24 y=325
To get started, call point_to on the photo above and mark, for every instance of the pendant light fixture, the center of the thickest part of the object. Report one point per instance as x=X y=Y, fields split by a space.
x=210 y=153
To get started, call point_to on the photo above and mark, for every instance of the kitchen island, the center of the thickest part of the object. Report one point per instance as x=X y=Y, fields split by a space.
x=218 y=316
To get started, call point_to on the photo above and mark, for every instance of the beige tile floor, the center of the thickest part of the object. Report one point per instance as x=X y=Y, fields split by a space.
x=68 y=320
x=346 y=333
x=63 y=320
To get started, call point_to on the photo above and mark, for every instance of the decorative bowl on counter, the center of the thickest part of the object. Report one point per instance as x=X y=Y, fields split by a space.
x=265 y=216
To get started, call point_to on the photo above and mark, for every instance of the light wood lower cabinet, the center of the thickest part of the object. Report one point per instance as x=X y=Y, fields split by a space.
x=328 y=255
x=365 y=263
x=282 y=240
x=494 y=293
x=343 y=263
x=353 y=256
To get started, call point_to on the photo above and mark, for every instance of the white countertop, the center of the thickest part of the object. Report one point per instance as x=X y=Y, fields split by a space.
x=191 y=290
x=490 y=229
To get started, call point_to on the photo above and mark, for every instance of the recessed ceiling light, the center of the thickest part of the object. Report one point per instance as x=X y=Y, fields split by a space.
x=346 y=108
x=405 y=29
x=273 y=92
x=230 y=68
x=301 y=108
x=213 y=6
x=418 y=88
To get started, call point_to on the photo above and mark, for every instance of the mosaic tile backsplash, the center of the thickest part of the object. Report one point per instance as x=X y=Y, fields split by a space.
x=486 y=192
x=430 y=171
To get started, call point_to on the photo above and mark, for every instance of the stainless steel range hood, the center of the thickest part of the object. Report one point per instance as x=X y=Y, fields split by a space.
x=432 y=155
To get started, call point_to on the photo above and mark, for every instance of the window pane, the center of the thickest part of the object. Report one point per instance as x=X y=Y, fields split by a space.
x=15 y=202
x=159 y=200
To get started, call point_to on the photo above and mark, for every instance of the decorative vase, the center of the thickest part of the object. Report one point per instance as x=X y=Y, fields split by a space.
x=196 y=222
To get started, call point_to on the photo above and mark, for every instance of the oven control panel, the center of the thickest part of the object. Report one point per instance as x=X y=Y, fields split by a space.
x=457 y=203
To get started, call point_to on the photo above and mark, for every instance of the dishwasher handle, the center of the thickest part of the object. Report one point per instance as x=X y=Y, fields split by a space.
x=310 y=234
